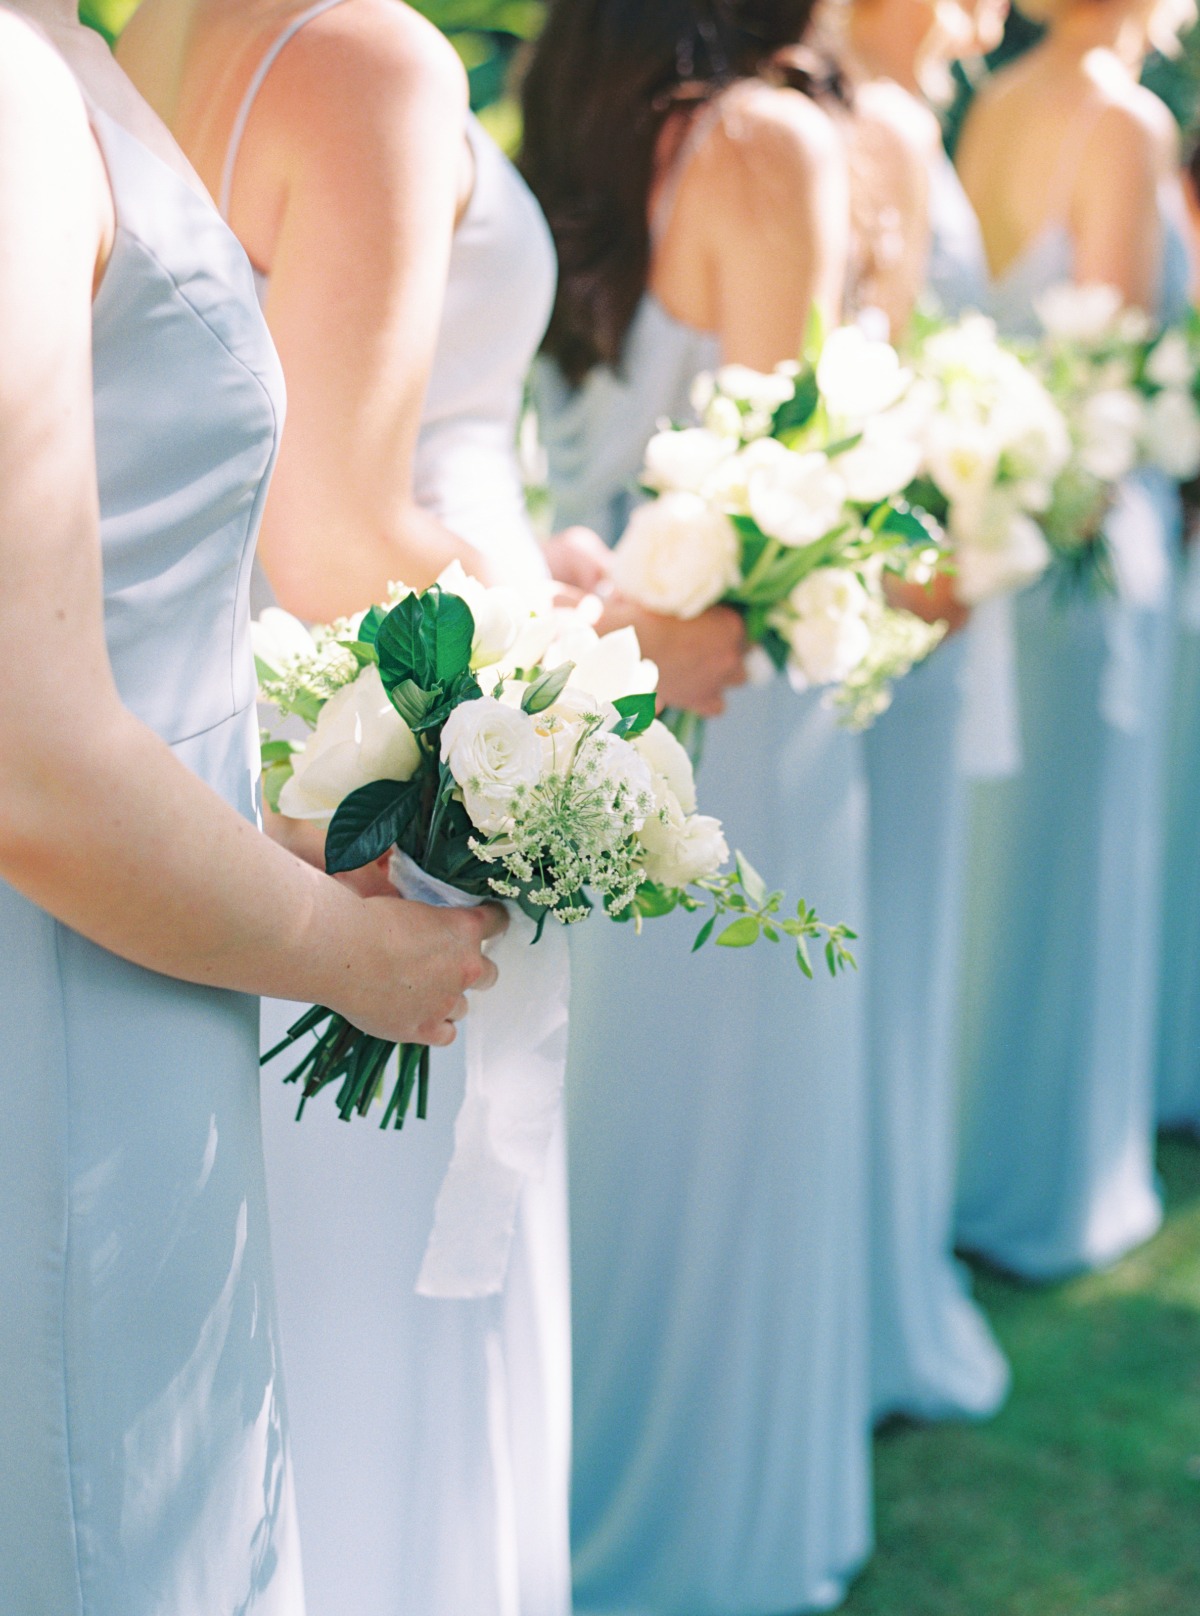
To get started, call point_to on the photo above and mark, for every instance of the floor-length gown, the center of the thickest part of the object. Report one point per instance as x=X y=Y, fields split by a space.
x=144 y=1462
x=431 y=1437
x=932 y=1353
x=1062 y=950
x=1179 y=990
x=717 y=1143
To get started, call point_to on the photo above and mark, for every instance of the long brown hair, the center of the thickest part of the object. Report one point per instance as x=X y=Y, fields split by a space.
x=603 y=80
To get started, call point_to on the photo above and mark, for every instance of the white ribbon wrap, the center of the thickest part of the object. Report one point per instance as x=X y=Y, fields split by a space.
x=516 y=1052
x=989 y=726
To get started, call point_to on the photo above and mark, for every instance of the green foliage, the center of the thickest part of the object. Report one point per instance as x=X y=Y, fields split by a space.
x=1082 y=1498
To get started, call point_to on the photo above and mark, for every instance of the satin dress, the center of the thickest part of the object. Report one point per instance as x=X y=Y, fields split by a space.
x=431 y=1437
x=718 y=1146
x=144 y=1462
x=932 y=1352
x=1060 y=984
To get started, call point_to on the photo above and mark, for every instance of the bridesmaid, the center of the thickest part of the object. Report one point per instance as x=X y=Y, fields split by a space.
x=145 y=1464
x=1073 y=172
x=408 y=278
x=1179 y=996
x=932 y=1353
x=698 y=194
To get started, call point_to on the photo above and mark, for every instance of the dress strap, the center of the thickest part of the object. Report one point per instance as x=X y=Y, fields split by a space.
x=252 y=89
x=697 y=132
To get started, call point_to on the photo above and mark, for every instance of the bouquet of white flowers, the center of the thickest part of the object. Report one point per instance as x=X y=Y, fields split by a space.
x=495 y=749
x=785 y=504
x=1129 y=393
x=994 y=447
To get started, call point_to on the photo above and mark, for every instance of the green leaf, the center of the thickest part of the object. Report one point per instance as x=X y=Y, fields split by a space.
x=546 y=691
x=754 y=885
x=796 y=412
x=273 y=781
x=704 y=933
x=653 y=900
x=426 y=640
x=368 y=629
x=363 y=653
x=909 y=523
x=802 y=959
x=637 y=713
x=741 y=933
x=278 y=751
x=412 y=703
x=843 y=446
x=369 y=823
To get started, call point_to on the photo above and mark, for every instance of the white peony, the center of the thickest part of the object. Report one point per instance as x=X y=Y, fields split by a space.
x=494 y=753
x=1169 y=362
x=359 y=738
x=1111 y=424
x=760 y=391
x=281 y=640
x=1172 y=434
x=500 y=614
x=858 y=376
x=1006 y=551
x=798 y=498
x=678 y=556
x=828 y=633
x=884 y=461
x=669 y=765
x=1084 y=314
x=684 y=460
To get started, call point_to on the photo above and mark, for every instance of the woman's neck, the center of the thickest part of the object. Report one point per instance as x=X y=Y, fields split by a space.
x=1111 y=28
x=880 y=50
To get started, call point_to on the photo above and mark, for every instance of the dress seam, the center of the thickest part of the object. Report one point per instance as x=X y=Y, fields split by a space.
x=71 y=1488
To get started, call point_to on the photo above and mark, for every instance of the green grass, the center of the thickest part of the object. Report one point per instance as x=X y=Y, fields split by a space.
x=1083 y=1497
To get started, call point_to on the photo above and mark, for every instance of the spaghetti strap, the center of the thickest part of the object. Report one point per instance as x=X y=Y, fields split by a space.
x=697 y=133
x=252 y=89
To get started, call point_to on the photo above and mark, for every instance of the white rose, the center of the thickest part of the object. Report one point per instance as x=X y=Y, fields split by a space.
x=700 y=394
x=963 y=455
x=1005 y=553
x=1169 y=363
x=280 y=640
x=828 y=634
x=669 y=764
x=678 y=556
x=500 y=614
x=495 y=755
x=683 y=460
x=680 y=848
x=1172 y=434
x=1037 y=442
x=560 y=728
x=797 y=499
x=614 y=667
x=722 y=416
x=1111 y=424
x=359 y=738
x=1079 y=313
x=857 y=376
x=757 y=390
x=884 y=461
x=729 y=484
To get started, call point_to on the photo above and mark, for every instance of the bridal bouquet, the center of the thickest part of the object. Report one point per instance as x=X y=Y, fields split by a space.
x=1129 y=394
x=995 y=445
x=786 y=504
x=494 y=747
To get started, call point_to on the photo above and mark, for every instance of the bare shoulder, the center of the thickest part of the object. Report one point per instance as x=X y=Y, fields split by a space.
x=768 y=138
x=40 y=102
x=1134 y=135
x=890 y=112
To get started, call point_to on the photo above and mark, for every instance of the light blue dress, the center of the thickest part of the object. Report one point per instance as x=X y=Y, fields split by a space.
x=1179 y=992
x=431 y=1437
x=144 y=1463
x=932 y=1353
x=1062 y=949
x=717 y=1133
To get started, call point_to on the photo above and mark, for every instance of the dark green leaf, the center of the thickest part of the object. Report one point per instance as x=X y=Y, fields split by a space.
x=369 y=627
x=637 y=713
x=797 y=411
x=369 y=823
x=704 y=933
x=425 y=639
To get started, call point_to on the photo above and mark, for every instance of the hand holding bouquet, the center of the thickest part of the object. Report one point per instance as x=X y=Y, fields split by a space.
x=785 y=503
x=495 y=747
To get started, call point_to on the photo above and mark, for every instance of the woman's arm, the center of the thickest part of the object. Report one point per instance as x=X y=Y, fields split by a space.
x=100 y=825
x=1114 y=209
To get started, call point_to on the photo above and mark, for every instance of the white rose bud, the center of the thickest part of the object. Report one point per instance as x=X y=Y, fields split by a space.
x=359 y=738
x=858 y=376
x=797 y=499
x=678 y=556
x=495 y=755
x=1172 y=434
x=684 y=460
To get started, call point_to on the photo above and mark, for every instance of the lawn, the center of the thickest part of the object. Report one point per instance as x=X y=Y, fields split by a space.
x=1083 y=1497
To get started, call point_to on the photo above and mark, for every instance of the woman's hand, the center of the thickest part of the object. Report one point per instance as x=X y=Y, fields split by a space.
x=934 y=602
x=698 y=660
x=580 y=558
x=410 y=966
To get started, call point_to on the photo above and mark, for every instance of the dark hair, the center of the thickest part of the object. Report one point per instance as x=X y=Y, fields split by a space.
x=603 y=80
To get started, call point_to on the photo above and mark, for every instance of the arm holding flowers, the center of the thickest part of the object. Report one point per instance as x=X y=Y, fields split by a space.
x=100 y=825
